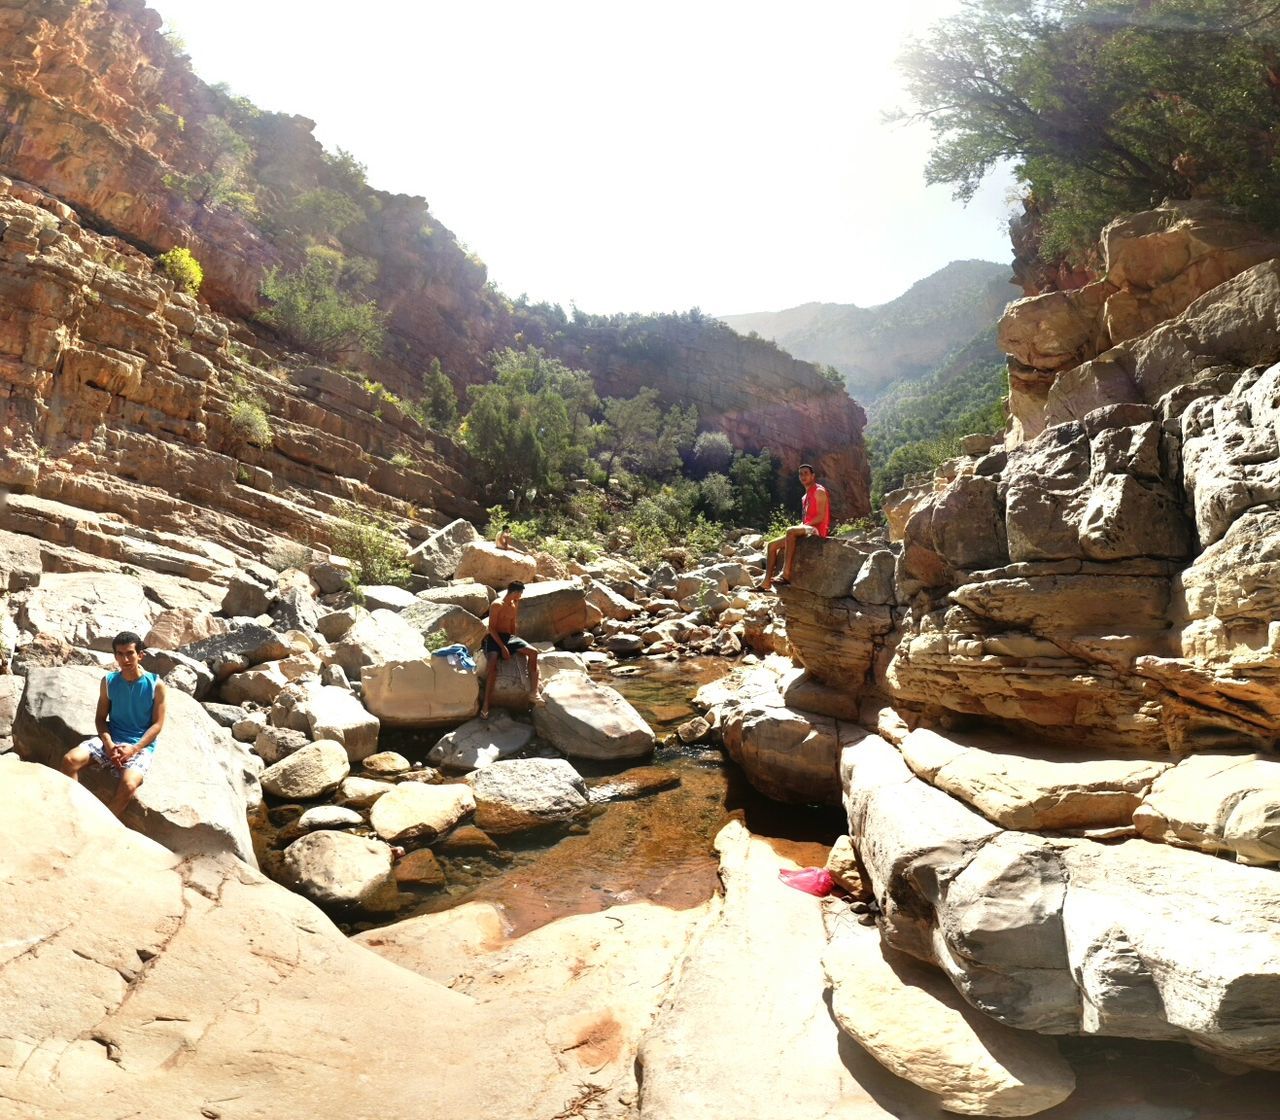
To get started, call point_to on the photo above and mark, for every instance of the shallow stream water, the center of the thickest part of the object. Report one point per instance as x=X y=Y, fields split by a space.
x=656 y=848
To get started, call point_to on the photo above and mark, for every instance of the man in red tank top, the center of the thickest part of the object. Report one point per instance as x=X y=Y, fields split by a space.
x=816 y=518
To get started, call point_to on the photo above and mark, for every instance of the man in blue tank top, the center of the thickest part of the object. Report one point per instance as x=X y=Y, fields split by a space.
x=129 y=719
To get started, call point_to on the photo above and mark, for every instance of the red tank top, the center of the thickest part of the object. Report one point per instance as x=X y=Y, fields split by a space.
x=810 y=509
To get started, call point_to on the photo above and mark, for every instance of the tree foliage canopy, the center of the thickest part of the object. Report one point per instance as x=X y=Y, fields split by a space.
x=1105 y=106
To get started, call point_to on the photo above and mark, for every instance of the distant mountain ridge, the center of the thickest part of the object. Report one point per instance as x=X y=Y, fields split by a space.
x=879 y=348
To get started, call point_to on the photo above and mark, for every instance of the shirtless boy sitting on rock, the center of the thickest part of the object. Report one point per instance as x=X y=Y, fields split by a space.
x=129 y=719
x=501 y=642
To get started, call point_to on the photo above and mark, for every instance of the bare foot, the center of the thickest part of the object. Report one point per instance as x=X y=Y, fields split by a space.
x=484 y=713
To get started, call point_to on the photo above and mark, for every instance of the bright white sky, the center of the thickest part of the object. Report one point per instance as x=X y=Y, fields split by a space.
x=625 y=155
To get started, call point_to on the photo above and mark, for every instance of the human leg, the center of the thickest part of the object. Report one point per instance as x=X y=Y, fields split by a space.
x=789 y=552
x=77 y=758
x=490 y=675
x=770 y=556
x=130 y=780
x=532 y=654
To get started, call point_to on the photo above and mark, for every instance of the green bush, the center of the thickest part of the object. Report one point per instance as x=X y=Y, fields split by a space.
x=321 y=213
x=377 y=555
x=313 y=310
x=181 y=266
x=249 y=421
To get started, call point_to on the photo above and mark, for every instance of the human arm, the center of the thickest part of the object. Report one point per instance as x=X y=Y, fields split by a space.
x=494 y=623
x=821 y=506
x=100 y=717
x=158 y=711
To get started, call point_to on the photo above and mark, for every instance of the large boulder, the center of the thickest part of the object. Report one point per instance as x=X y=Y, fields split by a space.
x=87 y=609
x=239 y=649
x=20 y=564
x=342 y=872
x=472 y=597
x=474 y=745
x=309 y=772
x=554 y=609
x=10 y=693
x=1026 y=786
x=423 y=692
x=415 y=812
x=376 y=638
x=174 y=629
x=788 y=755
x=827 y=566
x=457 y=624
x=589 y=720
x=334 y=713
x=910 y=1019
x=496 y=567
x=437 y=557
x=193 y=800
x=526 y=793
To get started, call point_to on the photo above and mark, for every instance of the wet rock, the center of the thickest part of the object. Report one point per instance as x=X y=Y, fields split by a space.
x=413 y=812
x=589 y=720
x=910 y=1019
x=466 y=838
x=641 y=781
x=420 y=869
x=519 y=794
x=479 y=743
x=341 y=871
x=319 y=817
x=693 y=731
x=310 y=772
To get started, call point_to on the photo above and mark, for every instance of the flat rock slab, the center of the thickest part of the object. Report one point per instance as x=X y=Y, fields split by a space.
x=1025 y=786
x=414 y=812
x=910 y=1018
x=472 y=597
x=493 y=566
x=553 y=609
x=1217 y=803
x=237 y=650
x=457 y=624
x=193 y=800
x=479 y=743
x=589 y=720
x=524 y=793
x=385 y=597
x=423 y=692
x=87 y=609
x=745 y=1031
x=438 y=556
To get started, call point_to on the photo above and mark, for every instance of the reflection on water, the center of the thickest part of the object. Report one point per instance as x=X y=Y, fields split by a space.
x=656 y=848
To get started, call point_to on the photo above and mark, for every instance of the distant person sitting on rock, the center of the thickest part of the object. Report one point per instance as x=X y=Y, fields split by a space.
x=501 y=642
x=815 y=513
x=129 y=719
x=505 y=542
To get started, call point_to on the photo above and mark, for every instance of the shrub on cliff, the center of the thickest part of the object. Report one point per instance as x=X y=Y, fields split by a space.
x=321 y=213
x=315 y=309
x=249 y=421
x=377 y=555
x=181 y=266
x=1104 y=106
x=439 y=397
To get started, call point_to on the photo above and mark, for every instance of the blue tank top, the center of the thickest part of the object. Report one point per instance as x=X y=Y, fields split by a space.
x=132 y=706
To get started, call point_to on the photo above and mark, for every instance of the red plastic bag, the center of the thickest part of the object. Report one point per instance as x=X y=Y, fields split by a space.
x=811 y=880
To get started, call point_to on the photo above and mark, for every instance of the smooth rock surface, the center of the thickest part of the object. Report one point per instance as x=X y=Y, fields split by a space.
x=335 y=869
x=589 y=720
x=423 y=692
x=478 y=743
x=309 y=772
x=414 y=812
x=524 y=793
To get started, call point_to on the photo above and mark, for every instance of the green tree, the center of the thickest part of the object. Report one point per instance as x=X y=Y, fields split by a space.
x=717 y=497
x=1104 y=106
x=531 y=426
x=644 y=438
x=712 y=453
x=439 y=396
x=321 y=213
x=315 y=309
x=753 y=479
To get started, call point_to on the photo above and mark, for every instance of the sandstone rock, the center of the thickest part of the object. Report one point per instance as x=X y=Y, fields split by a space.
x=259 y=685
x=331 y=575
x=519 y=794
x=374 y=640
x=466 y=838
x=911 y=1020
x=335 y=624
x=424 y=692
x=437 y=557
x=246 y=727
x=625 y=645
x=1217 y=803
x=320 y=817
x=416 y=813
x=378 y=597
x=10 y=693
x=1024 y=786
x=609 y=603
x=640 y=781
x=272 y=744
x=551 y=610
x=309 y=772
x=457 y=624
x=295 y=609
x=246 y=597
x=20 y=565
x=385 y=764
x=826 y=566
x=420 y=869
x=472 y=597
x=361 y=793
x=589 y=720
x=86 y=608
x=177 y=628
x=239 y=649
x=874 y=581
x=493 y=566
x=844 y=865
x=344 y=872
x=193 y=801
x=334 y=713
x=180 y=671
x=479 y=743
x=694 y=730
